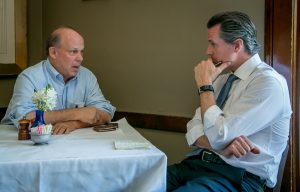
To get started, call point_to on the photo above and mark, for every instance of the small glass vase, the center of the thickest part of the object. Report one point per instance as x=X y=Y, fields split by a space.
x=39 y=118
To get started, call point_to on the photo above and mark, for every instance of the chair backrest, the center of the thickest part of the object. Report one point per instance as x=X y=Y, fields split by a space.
x=280 y=170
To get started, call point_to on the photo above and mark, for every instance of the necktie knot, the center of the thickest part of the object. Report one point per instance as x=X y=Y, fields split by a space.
x=231 y=78
x=225 y=90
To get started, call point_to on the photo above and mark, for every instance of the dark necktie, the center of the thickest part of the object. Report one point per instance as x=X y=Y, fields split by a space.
x=225 y=90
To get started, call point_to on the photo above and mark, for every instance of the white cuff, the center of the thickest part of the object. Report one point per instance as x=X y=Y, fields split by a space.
x=211 y=115
x=193 y=134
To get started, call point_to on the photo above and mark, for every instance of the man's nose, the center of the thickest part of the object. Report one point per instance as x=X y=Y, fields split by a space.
x=79 y=56
x=208 y=51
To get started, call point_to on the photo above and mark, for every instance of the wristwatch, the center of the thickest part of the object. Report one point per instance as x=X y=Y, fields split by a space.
x=205 y=88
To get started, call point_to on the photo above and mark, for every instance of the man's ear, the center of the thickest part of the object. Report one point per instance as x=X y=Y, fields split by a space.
x=52 y=52
x=238 y=45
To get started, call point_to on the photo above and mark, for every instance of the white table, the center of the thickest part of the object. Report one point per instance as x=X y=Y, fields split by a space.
x=83 y=160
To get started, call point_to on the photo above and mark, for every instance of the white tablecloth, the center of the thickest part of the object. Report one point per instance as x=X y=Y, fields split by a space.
x=83 y=160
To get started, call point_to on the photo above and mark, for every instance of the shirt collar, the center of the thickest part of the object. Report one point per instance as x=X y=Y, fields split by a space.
x=51 y=69
x=244 y=71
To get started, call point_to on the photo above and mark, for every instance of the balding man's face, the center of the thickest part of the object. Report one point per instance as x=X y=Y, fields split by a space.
x=69 y=54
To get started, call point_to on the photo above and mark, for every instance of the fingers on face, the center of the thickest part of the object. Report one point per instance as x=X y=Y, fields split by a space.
x=224 y=65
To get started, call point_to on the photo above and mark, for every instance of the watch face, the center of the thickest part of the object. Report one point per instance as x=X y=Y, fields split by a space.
x=205 y=88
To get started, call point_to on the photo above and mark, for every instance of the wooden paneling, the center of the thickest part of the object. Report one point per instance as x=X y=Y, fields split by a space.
x=282 y=52
x=21 y=33
x=151 y=121
x=296 y=97
x=9 y=70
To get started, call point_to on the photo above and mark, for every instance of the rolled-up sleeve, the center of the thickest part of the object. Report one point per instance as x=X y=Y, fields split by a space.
x=194 y=128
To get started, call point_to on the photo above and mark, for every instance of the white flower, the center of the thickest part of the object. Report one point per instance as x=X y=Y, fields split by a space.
x=45 y=99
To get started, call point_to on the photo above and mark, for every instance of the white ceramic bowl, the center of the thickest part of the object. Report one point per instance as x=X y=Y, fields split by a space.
x=40 y=139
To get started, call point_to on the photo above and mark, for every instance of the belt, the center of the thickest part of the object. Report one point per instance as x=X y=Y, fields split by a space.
x=209 y=157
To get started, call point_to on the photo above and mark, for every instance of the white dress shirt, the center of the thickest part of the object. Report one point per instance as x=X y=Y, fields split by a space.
x=258 y=106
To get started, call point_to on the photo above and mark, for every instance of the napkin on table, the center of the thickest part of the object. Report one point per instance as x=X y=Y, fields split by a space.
x=130 y=144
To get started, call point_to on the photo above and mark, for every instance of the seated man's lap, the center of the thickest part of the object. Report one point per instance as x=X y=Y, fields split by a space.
x=208 y=184
x=194 y=175
x=197 y=175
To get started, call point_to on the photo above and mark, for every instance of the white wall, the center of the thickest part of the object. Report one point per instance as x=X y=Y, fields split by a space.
x=173 y=144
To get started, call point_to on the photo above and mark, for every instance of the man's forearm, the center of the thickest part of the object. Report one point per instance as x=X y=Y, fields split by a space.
x=104 y=117
x=239 y=147
x=77 y=124
x=203 y=142
x=88 y=115
x=206 y=100
x=76 y=115
x=56 y=116
x=61 y=116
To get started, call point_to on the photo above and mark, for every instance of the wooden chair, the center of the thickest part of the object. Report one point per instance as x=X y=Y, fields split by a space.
x=280 y=171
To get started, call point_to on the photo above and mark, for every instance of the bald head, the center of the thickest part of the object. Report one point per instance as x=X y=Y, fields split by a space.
x=65 y=48
x=60 y=35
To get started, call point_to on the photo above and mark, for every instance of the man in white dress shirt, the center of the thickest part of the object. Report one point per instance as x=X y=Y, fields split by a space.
x=239 y=142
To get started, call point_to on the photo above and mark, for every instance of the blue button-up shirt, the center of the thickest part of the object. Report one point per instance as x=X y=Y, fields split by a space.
x=81 y=91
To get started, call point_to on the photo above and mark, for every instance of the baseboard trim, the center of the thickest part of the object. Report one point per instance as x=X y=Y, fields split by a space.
x=151 y=121
x=142 y=120
x=2 y=112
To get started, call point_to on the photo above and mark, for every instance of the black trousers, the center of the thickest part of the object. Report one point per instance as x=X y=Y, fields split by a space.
x=208 y=172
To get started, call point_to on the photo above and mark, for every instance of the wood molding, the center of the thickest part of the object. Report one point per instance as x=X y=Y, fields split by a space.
x=2 y=112
x=268 y=35
x=12 y=70
x=9 y=71
x=282 y=52
x=295 y=71
x=21 y=33
x=151 y=121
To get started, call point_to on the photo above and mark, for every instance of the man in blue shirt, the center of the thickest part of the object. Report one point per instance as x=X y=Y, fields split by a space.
x=80 y=102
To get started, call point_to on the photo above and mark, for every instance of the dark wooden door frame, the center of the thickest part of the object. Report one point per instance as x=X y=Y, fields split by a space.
x=282 y=52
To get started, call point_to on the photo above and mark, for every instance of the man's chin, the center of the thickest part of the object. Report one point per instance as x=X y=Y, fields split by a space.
x=72 y=75
x=75 y=71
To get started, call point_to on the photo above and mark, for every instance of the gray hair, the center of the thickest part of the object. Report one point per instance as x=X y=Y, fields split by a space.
x=236 y=25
